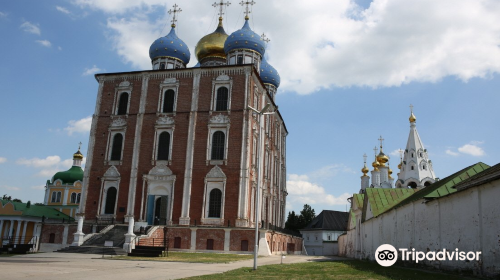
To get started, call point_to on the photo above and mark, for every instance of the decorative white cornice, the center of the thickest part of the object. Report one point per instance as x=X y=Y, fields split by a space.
x=219 y=119
x=165 y=120
x=112 y=172
x=160 y=170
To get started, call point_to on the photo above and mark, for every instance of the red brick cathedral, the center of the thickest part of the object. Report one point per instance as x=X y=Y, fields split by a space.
x=179 y=147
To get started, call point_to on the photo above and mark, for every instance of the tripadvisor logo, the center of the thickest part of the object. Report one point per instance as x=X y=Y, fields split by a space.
x=387 y=255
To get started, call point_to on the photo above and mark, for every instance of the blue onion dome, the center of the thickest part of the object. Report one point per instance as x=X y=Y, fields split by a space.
x=268 y=74
x=170 y=46
x=245 y=38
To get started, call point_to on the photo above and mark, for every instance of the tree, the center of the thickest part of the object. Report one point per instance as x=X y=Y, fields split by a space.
x=306 y=216
x=295 y=222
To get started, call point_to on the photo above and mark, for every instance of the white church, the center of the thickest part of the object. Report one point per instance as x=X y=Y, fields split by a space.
x=419 y=211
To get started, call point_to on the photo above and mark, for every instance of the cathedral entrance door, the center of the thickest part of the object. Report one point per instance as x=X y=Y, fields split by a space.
x=157 y=209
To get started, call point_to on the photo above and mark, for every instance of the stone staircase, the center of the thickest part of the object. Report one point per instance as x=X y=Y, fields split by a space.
x=95 y=244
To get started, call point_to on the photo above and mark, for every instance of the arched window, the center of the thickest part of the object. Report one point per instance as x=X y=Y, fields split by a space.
x=222 y=98
x=58 y=197
x=73 y=198
x=78 y=198
x=412 y=168
x=424 y=167
x=54 y=197
x=218 y=142
x=215 y=203
x=412 y=185
x=123 y=104
x=116 y=150
x=163 y=146
x=168 y=101
x=428 y=183
x=110 y=201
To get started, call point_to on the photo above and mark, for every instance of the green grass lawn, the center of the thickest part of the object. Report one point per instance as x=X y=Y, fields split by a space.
x=191 y=257
x=330 y=270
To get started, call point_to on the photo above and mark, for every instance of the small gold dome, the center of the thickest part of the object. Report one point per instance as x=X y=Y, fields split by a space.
x=365 y=170
x=382 y=158
x=212 y=45
x=399 y=165
x=375 y=165
x=412 y=118
x=78 y=155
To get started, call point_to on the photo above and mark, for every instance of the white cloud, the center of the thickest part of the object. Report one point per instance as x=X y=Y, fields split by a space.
x=44 y=43
x=336 y=43
x=471 y=149
x=3 y=160
x=48 y=166
x=301 y=191
x=39 y=187
x=91 y=71
x=38 y=162
x=79 y=126
x=9 y=188
x=59 y=48
x=63 y=10
x=3 y=14
x=452 y=153
x=395 y=153
x=31 y=28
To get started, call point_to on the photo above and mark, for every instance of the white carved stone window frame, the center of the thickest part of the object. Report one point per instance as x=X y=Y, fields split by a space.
x=215 y=179
x=112 y=131
x=221 y=81
x=163 y=124
x=124 y=86
x=424 y=165
x=110 y=179
x=169 y=83
x=218 y=123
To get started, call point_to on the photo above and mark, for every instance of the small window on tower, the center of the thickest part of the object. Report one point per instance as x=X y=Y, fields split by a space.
x=162 y=66
x=412 y=168
x=116 y=150
x=164 y=146
x=218 y=142
x=240 y=59
x=122 y=104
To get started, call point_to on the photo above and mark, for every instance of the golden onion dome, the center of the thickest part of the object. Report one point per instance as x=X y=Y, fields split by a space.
x=390 y=172
x=375 y=165
x=382 y=158
x=212 y=45
x=78 y=155
x=412 y=118
x=400 y=164
x=365 y=170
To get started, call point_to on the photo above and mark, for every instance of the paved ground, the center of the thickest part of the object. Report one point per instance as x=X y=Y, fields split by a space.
x=84 y=266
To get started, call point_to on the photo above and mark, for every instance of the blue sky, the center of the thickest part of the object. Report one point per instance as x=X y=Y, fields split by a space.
x=349 y=69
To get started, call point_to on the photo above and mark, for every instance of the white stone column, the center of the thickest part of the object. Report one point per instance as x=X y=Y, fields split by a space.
x=188 y=173
x=11 y=229
x=23 y=236
x=137 y=149
x=227 y=239
x=46 y=200
x=129 y=236
x=193 y=239
x=78 y=236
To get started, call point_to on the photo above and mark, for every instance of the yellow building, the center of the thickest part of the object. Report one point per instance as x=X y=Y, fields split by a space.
x=63 y=191
x=22 y=224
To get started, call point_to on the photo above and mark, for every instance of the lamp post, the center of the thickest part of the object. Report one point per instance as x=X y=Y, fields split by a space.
x=261 y=114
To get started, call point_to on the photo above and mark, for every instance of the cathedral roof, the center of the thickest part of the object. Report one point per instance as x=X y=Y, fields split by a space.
x=329 y=220
x=245 y=38
x=170 y=46
x=75 y=173
x=268 y=74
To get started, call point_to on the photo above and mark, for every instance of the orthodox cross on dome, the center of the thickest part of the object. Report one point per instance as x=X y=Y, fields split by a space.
x=381 y=142
x=247 y=9
x=411 y=108
x=175 y=11
x=221 y=6
x=375 y=149
x=264 y=38
x=364 y=157
x=400 y=154
x=79 y=145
